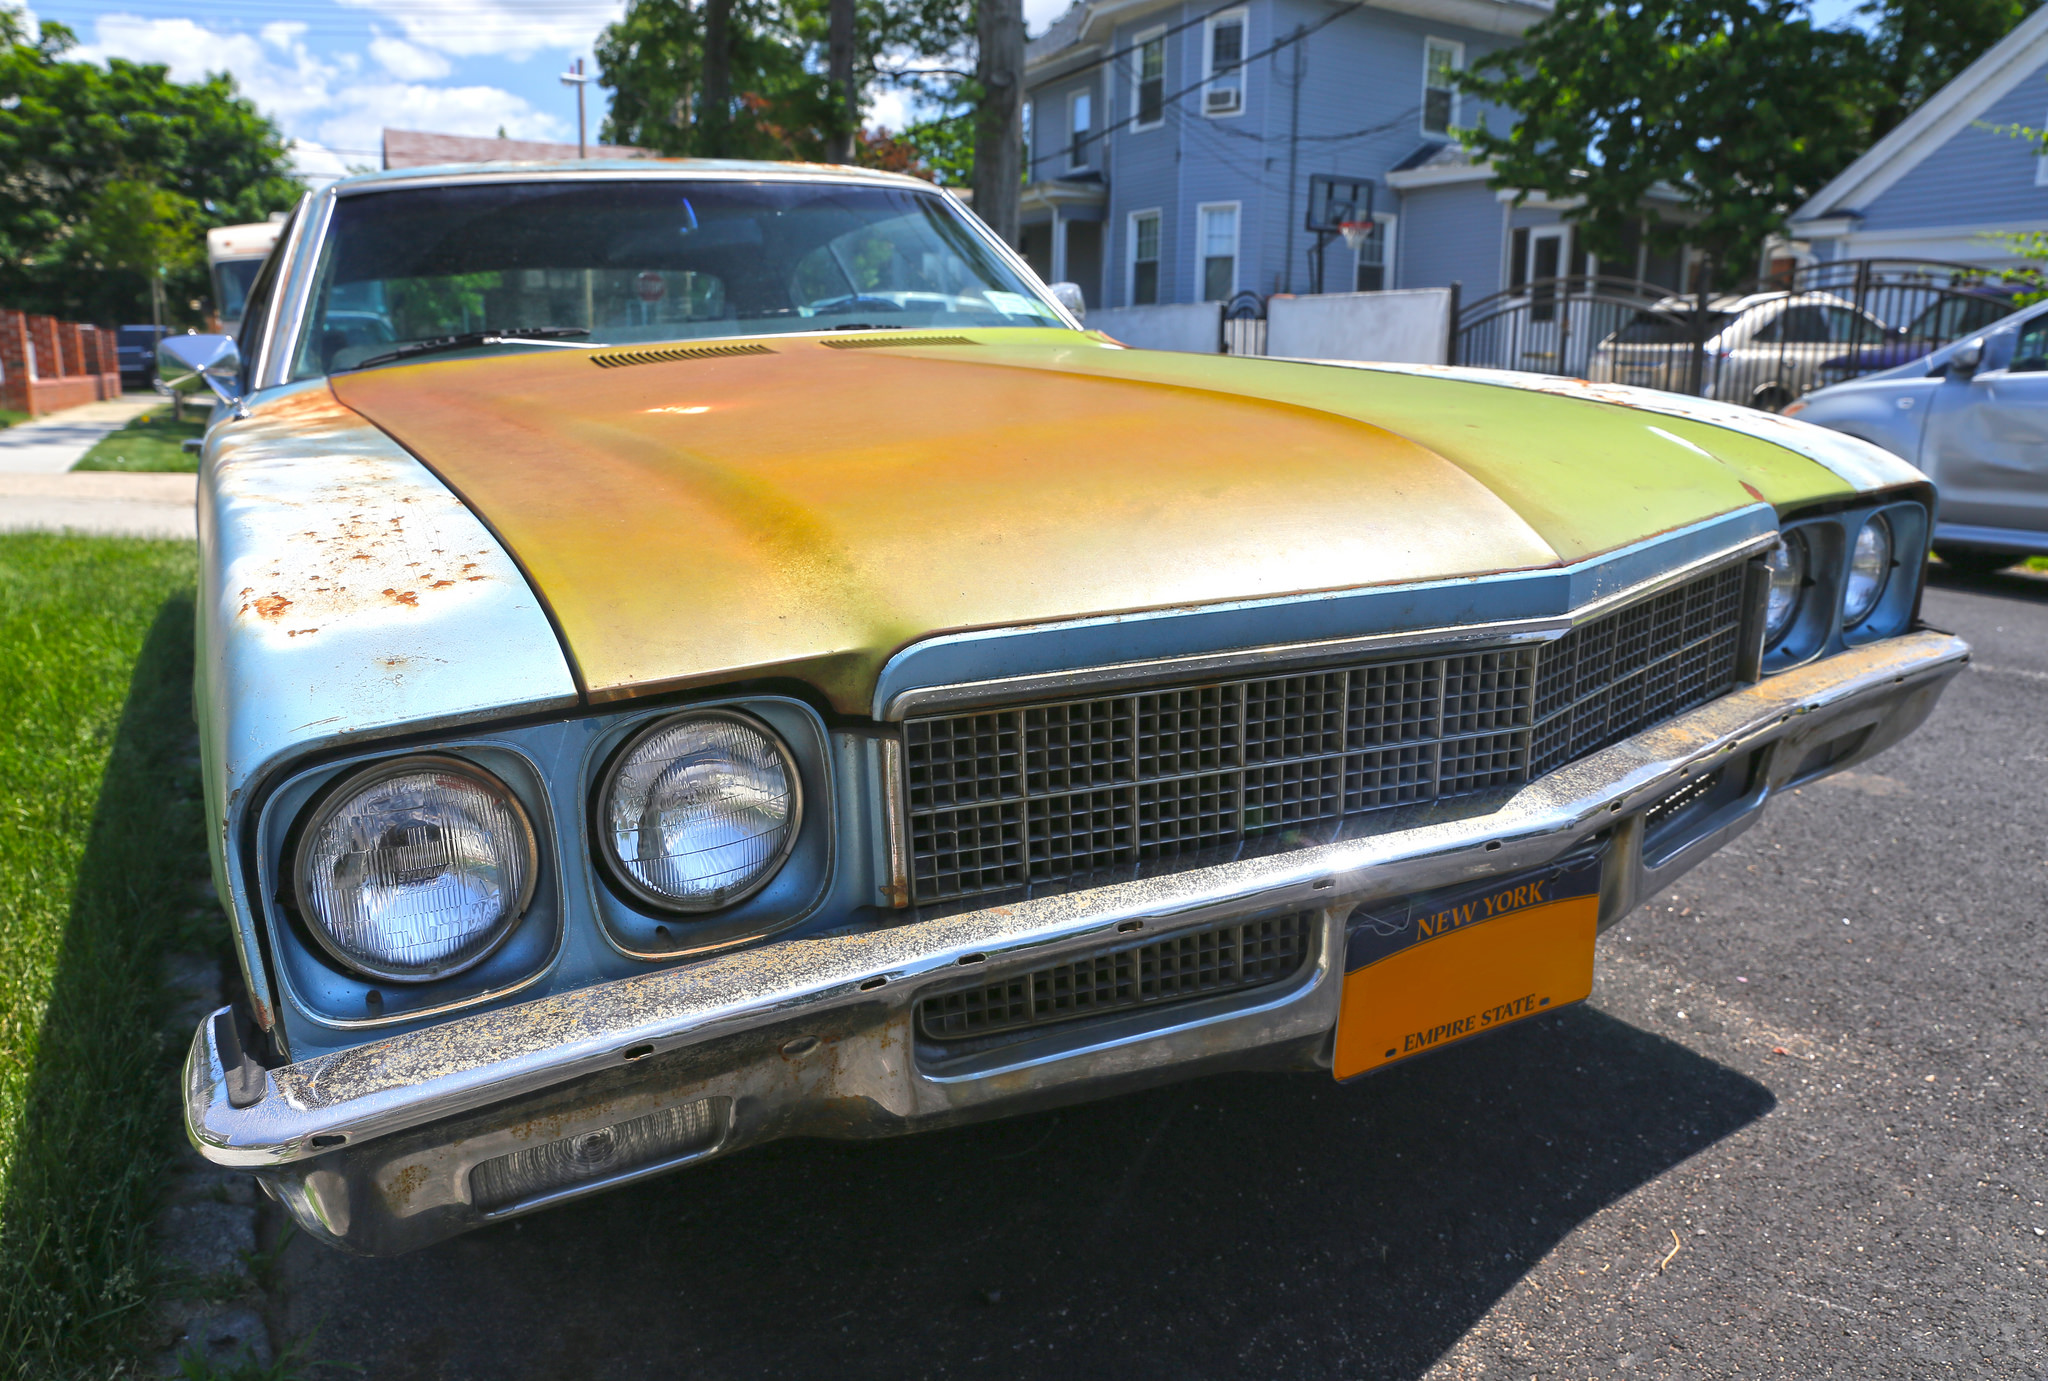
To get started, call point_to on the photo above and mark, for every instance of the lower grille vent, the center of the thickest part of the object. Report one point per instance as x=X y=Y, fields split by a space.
x=1198 y=963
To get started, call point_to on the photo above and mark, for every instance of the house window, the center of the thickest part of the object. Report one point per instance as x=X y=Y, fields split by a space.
x=1223 y=77
x=1441 y=61
x=1218 y=266
x=1030 y=144
x=1149 y=68
x=1144 y=258
x=1080 y=125
x=1376 y=257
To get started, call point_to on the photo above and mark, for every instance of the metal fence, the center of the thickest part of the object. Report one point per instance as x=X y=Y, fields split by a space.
x=1764 y=345
x=1244 y=325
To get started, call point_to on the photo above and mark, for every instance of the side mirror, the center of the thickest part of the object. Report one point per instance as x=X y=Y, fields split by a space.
x=185 y=363
x=1967 y=358
x=1068 y=295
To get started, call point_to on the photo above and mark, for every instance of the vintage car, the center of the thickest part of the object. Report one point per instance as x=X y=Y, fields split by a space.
x=731 y=657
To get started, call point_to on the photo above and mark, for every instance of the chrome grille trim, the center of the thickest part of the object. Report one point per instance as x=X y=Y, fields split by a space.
x=1007 y=799
x=1151 y=973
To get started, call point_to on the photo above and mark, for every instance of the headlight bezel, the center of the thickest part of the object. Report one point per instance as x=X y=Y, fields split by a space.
x=346 y=787
x=1876 y=522
x=613 y=869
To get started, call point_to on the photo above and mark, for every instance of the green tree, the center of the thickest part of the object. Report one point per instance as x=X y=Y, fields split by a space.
x=1743 y=108
x=1919 y=46
x=104 y=170
x=780 y=101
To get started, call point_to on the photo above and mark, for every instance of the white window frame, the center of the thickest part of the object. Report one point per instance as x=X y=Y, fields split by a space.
x=1087 y=153
x=1138 y=46
x=1236 y=209
x=1131 y=255
x=1387 y=226
x=2041 y=169
x=1430 y=41
x=1240 y=72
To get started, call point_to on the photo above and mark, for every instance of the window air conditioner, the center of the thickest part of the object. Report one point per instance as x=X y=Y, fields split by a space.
x=1221 y=100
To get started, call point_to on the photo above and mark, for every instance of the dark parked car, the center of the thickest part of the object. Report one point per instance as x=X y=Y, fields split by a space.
x=135 y=348
x=1951 y=317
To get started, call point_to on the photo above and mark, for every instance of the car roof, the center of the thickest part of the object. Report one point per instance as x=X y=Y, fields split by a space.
x=651 y=169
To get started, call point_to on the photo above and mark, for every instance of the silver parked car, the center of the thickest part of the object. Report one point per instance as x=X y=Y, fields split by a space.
x=1764 y=349
x=1974 y=416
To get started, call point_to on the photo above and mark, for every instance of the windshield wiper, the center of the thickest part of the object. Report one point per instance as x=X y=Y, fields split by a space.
x=511 y=335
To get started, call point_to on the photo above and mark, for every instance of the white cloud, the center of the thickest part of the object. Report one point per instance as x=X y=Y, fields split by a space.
x=323 y=98
x=362 y=112
x=1039 y=14
x=282 y=77
x=889 y=109
x=508 y=28
x=407 y=61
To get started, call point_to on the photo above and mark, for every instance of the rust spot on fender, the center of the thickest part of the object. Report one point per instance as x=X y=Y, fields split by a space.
x=272 y=606
x=405 y=597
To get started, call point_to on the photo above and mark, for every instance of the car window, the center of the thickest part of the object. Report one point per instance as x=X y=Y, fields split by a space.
x=1849 y=328
x=2030 y=351
x=1958 y=316
x=1801 y=325
x=650 y=259
x=1669 y=328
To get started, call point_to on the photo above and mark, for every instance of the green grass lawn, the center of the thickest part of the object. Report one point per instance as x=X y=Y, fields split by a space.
x=101 y=854
x=9 y=417
x=150 y=442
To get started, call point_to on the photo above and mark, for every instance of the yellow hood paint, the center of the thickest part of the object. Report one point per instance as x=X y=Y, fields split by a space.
x=807 y=512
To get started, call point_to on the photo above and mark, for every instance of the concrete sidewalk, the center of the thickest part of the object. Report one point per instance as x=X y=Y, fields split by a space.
x=52 y=444
x=105 y=503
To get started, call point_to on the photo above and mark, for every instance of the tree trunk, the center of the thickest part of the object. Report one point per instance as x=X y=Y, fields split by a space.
x=717 y=122
x=999 y=119
x=839 y=66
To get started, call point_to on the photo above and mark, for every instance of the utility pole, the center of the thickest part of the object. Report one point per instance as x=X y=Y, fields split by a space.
x=717 y=120
x=999 y=119
x=839 y=67
x=575 y=77
x=1293 y=163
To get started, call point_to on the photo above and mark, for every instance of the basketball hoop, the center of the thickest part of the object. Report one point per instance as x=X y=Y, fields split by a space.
x=1355 y=233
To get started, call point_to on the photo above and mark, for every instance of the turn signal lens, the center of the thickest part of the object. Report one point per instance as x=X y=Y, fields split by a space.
x=700 y=810
x=1787 y=564
x=416 y=869
x=1870 y=570
x=604 y=1154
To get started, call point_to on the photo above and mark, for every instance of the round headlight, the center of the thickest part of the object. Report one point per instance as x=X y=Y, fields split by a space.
x=1870 y=569
x=700 y=810
x=415 y=869
x=1787 y=565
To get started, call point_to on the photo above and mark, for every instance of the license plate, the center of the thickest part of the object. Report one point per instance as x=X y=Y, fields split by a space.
x=1427 y=971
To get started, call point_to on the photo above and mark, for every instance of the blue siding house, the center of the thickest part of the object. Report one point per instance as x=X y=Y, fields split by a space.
x=1171 y=148
x=1941 y=184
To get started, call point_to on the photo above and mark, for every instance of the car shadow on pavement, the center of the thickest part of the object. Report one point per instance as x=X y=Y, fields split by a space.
x=2014 y=584
x=1257 y=1226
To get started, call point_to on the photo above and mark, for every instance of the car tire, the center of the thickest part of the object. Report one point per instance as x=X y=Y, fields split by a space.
x=1972 y=561
x=1771 y=398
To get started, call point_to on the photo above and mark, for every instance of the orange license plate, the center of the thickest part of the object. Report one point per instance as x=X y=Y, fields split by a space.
x=1424 y=972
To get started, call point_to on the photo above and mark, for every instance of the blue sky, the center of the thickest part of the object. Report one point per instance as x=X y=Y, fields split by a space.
x=335 y=73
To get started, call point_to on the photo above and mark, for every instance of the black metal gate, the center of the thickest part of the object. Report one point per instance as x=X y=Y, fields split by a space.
x=1764 y=346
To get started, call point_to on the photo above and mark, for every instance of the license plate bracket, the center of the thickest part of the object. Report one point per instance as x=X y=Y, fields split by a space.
x=1427 y=971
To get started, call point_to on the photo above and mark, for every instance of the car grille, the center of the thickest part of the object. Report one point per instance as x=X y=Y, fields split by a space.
x=1200 y=963
x=1007 y=799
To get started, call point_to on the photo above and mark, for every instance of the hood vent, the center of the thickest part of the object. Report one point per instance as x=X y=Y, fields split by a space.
x=618 y=359
x=890 y=342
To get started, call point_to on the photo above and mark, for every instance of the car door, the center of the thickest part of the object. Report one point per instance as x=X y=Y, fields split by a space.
x=1986 y=444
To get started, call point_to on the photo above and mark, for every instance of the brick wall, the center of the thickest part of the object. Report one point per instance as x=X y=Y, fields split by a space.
x=47 y=364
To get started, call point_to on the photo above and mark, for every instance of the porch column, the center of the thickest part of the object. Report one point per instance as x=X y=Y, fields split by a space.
x=1059 y=246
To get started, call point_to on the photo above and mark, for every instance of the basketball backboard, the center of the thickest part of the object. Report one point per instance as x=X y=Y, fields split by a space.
x=1334 y=199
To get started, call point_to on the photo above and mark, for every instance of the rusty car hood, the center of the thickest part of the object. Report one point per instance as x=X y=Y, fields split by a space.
x=802 y=506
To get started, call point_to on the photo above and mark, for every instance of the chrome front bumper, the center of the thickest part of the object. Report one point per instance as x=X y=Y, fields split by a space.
x=372 y=1147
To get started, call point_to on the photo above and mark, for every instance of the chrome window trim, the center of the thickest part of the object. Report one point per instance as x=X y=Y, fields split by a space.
x=303 y=252
x=1279 y=657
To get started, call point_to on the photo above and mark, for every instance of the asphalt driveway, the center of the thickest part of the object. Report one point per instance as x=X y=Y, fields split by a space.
x=1796 y=1133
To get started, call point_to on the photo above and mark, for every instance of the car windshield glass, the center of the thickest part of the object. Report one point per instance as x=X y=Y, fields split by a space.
x=1669 y=328
x=1957 y=316
x=232 y=278
x=649 y=260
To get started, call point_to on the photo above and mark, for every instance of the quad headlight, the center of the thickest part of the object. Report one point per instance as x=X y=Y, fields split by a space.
x=1870 y=570
x=699 y=810
x=1787 y=563
x=415 y=869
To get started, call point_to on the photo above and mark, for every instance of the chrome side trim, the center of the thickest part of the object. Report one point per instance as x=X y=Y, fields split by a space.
x=1677 y=575
x=1993 y=538
x=731 y=1014
x=300 y=258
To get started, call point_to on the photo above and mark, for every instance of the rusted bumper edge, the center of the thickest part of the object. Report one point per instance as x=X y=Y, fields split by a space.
x=373 y=1148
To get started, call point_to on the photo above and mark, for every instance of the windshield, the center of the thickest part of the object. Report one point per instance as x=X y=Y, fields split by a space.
x=231 y=280
x=649 y=260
